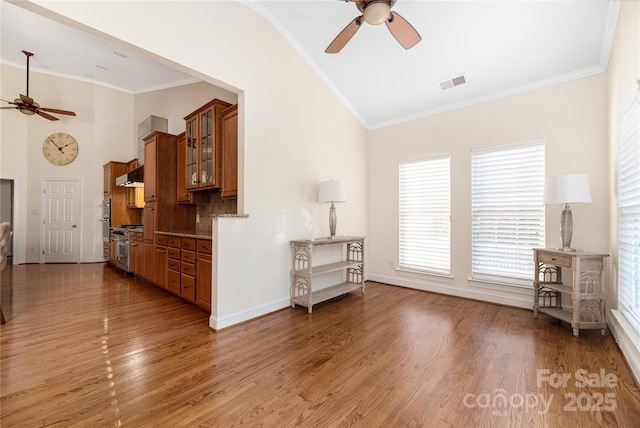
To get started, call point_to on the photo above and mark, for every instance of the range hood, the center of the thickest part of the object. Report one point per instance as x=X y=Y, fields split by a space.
x=133 y=178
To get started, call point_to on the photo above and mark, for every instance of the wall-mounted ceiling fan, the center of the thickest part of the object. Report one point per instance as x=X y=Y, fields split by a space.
x=375 y=12
x=28 y=106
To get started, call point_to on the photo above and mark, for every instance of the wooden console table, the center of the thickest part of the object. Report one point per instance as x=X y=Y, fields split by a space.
x=303 y=270
x=587 y=289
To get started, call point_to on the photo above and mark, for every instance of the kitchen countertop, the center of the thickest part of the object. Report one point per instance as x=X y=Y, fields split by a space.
x=185 y=234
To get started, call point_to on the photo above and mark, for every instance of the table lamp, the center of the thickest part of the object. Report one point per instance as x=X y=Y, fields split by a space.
x=566 y=189
x=332 y=191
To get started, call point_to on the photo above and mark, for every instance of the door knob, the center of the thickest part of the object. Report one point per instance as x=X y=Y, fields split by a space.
x=73 y=226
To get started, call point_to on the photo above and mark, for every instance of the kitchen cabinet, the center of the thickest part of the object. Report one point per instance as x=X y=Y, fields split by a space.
x=173 y=273
x=109 y=180
x=204 y=151
x=150 y=178
x=183 y=195
x=188 y=269
x=120 y=213
x=162 y=212
x=113 y=250
x=148 y=244
x=136 y=242
x=229 y=161
x=303 y=270
x=161 y=261
x=586 y=291
x=135 y=195
x=203 y=273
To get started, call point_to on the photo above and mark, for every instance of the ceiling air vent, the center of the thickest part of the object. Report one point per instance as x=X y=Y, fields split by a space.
x=454 y=81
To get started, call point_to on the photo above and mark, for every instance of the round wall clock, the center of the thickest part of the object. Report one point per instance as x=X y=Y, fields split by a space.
x=60 y=148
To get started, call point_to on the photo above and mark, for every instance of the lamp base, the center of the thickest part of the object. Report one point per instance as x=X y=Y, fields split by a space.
x=566 y=229
x=332 y=221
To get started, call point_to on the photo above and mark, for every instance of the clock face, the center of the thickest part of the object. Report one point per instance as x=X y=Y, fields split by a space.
x=60 y=148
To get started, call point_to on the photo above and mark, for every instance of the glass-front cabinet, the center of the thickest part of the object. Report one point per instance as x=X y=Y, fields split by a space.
x=203 y=133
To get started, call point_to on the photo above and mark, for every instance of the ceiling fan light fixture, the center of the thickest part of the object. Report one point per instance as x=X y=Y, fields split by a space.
x=377 y=12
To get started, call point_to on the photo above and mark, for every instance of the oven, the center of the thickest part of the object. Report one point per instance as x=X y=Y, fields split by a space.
x=106 y=220
x=121 y=237
x=122 y=251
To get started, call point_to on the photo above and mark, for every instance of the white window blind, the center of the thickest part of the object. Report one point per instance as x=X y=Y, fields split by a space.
x=425 y=215
x=507 y=210
x=629 y=214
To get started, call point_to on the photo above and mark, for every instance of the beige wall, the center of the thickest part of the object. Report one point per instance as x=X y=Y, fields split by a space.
x=572 y=120
x=175 y=103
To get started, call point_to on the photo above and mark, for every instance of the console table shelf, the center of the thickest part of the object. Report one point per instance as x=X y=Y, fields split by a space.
x=587 y=289
x=303 y=270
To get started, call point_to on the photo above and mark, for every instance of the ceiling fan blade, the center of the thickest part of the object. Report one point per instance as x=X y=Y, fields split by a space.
x=25 y=99
x=345 y=35
x=7 y=108
x=46 y=115
x=54 y=110
x=404 y=32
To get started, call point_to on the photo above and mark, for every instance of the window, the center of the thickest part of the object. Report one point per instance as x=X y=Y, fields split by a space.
x=629 y=214
x=425 y=215
x=507 y=186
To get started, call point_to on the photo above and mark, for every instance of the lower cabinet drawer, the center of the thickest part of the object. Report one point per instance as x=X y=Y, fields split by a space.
x=173 y=282
x=174 y=253
x=174 y=265
x=188 y=256
x=188 y=288
x=188 y=269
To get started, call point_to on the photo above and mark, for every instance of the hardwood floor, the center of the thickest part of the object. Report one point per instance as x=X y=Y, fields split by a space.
x=85 y=346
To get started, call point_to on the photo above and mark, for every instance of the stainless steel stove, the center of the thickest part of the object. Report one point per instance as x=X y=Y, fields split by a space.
x=121 y=236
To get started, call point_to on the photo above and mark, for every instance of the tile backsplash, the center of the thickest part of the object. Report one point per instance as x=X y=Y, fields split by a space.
x=216 y=205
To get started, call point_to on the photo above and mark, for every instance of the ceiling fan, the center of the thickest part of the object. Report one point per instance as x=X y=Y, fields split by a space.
x=29 y=107
x=375 y=12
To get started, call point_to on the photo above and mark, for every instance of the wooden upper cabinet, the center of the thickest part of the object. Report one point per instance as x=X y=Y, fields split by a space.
x=135 y=195
x=183 y=195
x=204 y=151
x=229 y=168
x=150 y=177
x=113 y=170
x=108 y=173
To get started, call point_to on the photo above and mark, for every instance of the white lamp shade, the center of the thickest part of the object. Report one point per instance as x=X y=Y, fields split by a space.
x=332 y=191
x=567 y=189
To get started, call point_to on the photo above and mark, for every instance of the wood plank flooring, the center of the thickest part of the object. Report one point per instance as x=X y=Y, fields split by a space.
x=87 y=346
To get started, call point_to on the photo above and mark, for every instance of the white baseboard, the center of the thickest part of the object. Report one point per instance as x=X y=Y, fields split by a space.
x=518 y=300
x=92 y=260
x=237 y=318
x=628 y=340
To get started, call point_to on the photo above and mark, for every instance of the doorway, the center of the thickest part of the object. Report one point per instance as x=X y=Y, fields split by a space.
x=61 y=201
x=7 y=209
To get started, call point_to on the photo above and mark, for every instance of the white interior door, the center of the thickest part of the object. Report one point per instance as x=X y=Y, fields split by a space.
x=61 y=216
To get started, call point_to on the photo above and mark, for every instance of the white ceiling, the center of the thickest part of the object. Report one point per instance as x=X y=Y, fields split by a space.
x=502 y=48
